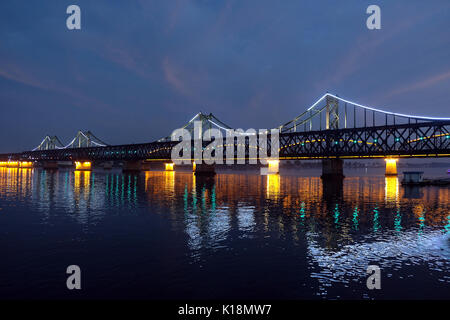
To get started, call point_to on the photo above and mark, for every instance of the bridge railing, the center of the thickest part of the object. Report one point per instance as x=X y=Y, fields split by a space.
x=417 y=139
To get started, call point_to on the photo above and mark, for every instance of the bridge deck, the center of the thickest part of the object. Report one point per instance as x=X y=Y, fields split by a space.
x=425 y=139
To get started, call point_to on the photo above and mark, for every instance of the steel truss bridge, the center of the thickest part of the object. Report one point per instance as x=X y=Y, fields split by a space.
x=332 y=127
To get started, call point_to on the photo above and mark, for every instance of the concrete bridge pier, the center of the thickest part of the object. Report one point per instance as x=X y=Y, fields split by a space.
x=332 y=189
x=391 y=167
x=332 y=169
x=169 y=166
x=203 y=169
x=49 y=165
x=83 y=165
x=133 y=165
x=273 y=167
x=105 y=165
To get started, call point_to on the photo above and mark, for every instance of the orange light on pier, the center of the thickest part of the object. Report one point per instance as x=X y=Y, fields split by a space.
x=16 y=164
x=273 y=166
x=26 y=164
x=391 y=166
x=86 y=165
x=194 y=166
x=169 y=166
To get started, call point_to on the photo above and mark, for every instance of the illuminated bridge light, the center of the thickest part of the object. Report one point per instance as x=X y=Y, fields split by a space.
x=26 y=164
x=375 y=140
x=169 y=166
x=16 y=164
x=397 y=139
x=391 y=166
x=273 y=166
x=86 y=165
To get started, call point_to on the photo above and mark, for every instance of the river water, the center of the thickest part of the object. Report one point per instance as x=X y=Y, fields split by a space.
x=171 y=235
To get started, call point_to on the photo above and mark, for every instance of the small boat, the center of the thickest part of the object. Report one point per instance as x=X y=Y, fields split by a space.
x=415 y=178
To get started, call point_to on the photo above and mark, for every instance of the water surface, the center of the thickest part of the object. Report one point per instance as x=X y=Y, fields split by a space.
x=171 y=235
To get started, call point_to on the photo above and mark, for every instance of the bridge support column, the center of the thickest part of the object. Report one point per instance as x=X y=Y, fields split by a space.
x=132 y=165
x=26 y=164
x=105 y=165
x=169 y=166
x=83 y=165
x=203 y=169
x=332 y=169
x=49 y=165
x=332 y=189
x=273 y=167
x=391 y=167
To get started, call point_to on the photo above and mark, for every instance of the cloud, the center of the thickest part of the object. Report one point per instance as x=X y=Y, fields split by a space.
x=125 y=56
x=357 y=56
x=421 y=84
x=191 y=84
x=173 y=78
x=25 y=76
x=14 y=73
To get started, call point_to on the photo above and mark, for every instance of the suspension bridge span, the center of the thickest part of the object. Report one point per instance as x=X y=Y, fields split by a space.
x=332 y=129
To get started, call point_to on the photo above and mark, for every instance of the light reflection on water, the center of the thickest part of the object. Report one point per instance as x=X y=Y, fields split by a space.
x=326 y=232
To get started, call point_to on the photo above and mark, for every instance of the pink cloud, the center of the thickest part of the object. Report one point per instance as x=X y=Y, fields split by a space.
x=421 y=84
x=356 y=56
x=191 y=84
x=122 y=54
x=173 y=78
x=14 y=73
x=26 y=76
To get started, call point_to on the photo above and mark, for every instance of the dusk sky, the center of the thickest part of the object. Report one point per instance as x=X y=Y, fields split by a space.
x=139 y=69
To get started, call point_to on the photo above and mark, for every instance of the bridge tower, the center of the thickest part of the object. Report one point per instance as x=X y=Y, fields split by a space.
x=85 y=139
x=332 y=168
x=332 y=113
x=49 y=143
